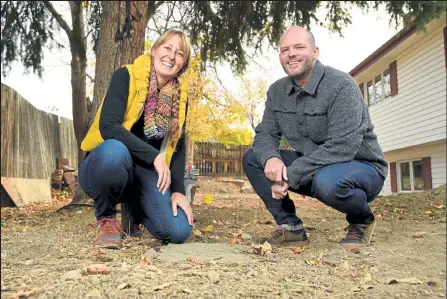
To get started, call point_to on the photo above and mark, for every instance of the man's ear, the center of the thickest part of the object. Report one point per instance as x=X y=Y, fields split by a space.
x=316 y=52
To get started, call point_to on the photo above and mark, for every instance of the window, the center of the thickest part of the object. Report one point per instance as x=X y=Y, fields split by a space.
x=379 y=88
x=410 y=175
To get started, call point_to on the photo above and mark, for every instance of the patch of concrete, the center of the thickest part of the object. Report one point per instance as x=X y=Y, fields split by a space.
x=221 y=253
x=21 y=191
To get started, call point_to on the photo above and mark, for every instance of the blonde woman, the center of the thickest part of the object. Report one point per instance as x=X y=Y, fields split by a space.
x=135 y=149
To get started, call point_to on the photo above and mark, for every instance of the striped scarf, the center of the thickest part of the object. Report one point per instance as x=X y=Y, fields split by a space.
x=158 y=107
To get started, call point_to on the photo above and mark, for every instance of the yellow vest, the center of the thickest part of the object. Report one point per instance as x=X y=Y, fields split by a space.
x=138 y=88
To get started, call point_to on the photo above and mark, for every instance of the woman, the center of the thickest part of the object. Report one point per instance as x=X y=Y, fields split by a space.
x=136 y=148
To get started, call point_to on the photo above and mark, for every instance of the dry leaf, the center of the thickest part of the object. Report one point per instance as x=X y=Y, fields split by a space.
x=208 y=229
x=208 y=199
x=22 y=294
x=234 y=241
x=419 y=234
x=94 y=251
x=313 y=262
x=197 y=233
x=367 y=277
x=298 y=250
x=263 y=249
x=437 y=204
x=144 y=260
x=195 y=261
x=96 y=269
x=162 y=286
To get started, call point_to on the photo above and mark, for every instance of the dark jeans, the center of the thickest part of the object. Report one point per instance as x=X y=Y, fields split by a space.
x=109 y=175
x=347 y=187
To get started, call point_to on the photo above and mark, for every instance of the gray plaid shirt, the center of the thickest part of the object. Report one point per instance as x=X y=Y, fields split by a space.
x=326 y=122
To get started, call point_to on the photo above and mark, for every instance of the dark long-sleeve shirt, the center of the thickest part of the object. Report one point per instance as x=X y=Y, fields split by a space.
x=143 y=153
x=326 y=122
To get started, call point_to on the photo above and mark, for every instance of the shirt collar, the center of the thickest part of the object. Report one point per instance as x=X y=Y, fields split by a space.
x=312 y=83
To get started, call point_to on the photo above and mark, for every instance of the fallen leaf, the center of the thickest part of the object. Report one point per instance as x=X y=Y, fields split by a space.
x=313 y=262
x=123 y=286
x=197 y=233
x=208 y=199
x=208 y=229
x=298 y=250
x=234 y=241
x=144 y=260
x=195 y=261
x=437 y=204
x=94 y=293
x=94 y=251
x=419 y=234
x=263 y=249
x=162 y=286
x=32 y=292
x=367 y=277
x=96 y=269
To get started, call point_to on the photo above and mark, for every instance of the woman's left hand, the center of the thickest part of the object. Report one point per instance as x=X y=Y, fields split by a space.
x=178 y=199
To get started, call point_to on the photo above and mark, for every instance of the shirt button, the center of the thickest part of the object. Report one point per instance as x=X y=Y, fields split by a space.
x=140 y=106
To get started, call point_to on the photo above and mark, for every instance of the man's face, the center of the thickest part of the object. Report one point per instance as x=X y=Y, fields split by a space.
x=297 y=54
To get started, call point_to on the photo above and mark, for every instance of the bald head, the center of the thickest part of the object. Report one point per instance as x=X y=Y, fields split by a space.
x=296 y=31
x=298 y=53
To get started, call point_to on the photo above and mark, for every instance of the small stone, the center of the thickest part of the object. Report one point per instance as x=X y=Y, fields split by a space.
x=151 y=253
x=123 y=286
x=441 y=295
x=150 y=275
x=213 y=276
x=71 y=275
x=29 y=262
x=245 y=237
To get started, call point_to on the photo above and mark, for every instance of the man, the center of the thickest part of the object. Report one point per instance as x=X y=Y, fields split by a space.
x=337 y=157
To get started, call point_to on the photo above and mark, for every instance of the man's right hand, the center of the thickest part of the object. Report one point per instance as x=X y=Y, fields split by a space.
x=164 y=174
x=275 y=170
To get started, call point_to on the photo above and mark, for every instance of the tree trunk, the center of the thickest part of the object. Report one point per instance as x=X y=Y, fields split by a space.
x=109 y=56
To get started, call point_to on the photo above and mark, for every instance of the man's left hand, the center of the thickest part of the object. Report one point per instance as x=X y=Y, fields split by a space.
x=279 y=190
x=178 y=199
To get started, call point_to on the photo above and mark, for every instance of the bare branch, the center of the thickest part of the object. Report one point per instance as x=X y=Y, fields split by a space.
x=90 y=77
x=58 y=18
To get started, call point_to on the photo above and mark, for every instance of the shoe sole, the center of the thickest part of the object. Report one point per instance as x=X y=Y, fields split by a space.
x=293 y=244
x=109 y=246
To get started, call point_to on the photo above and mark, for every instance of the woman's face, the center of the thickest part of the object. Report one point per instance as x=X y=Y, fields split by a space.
x=169 y=58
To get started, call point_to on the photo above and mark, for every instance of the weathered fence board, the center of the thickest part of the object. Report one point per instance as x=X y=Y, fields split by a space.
x=32 y=139
x=217 y=159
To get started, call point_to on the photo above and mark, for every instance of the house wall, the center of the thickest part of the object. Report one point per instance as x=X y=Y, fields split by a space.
x=417 y=114
x=437 y=153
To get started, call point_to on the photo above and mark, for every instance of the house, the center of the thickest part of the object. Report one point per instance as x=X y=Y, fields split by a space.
x=404 y=84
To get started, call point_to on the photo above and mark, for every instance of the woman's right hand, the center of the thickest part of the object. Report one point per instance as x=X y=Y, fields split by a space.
x=164 y=174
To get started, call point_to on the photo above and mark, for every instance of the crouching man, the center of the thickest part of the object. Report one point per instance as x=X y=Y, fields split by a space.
x=337 y=158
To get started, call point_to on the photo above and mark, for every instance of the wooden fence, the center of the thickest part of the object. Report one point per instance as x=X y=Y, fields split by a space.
x=217 y=159
x=31 y=139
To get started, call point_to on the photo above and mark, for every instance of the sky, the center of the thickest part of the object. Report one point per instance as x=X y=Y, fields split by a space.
x=366 y=33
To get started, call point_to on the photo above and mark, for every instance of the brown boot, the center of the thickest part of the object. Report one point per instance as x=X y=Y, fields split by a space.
x=284 y=238
x=108 y=233
x=359 y=235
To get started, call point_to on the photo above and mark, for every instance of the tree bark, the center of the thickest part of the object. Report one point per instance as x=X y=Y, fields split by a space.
x=109 y=56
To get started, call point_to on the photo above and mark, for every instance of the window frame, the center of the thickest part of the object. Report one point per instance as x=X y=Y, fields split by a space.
x=399 y=175
x=372 y=101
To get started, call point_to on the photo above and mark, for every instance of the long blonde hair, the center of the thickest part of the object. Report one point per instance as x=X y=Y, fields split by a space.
x=185 y=46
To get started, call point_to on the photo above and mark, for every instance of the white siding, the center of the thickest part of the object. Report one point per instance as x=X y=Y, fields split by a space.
x=437 y=153
x=416 y=115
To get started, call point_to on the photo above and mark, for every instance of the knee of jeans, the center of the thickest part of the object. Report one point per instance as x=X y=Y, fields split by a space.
x=329 y=190
x=114 y=161
x=249 y=156
x=180 y=234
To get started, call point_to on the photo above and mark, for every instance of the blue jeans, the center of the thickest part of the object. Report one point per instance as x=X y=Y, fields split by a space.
x=347 y=187
x=110 y=176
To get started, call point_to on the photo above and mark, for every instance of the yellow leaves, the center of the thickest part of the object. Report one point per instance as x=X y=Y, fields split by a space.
x=208 y=229
x=264 y=249
x=208 y=199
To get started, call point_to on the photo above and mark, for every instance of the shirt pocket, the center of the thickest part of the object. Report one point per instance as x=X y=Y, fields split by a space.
x=287 y=120
x=316 y=123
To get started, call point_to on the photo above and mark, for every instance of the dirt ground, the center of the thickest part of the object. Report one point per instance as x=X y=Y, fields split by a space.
x=44 y=253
